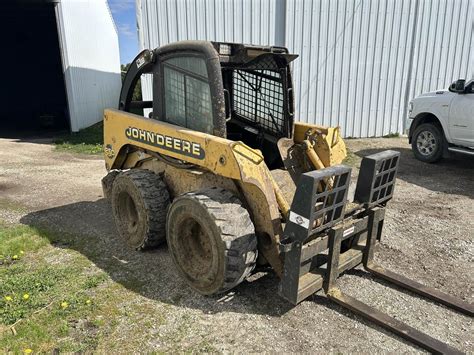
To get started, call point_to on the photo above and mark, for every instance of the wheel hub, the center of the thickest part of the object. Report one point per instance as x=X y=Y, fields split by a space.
x=128 y=212
x=196 y=247
x=426 y=143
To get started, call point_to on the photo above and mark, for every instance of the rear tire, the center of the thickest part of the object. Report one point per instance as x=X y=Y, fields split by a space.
x=428 y=143
x=108 y=183
x=140 y=201
x=211 y=239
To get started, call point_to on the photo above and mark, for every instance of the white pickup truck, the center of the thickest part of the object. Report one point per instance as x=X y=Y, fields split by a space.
x=443 y=121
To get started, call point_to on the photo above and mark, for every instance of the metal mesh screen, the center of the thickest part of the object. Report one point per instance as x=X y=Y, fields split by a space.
x=187 y=99
x=175 y=102
x=330 y=200
x=384 y=180
x=377 y=177
x=258 y=98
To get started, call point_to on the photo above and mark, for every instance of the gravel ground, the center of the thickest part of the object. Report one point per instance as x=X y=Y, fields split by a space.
x=428 y=236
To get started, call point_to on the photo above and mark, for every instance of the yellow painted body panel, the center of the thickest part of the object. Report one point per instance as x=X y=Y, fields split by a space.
x=222 y=157
x=133 y=141
x=118 y=123
x=329 y=145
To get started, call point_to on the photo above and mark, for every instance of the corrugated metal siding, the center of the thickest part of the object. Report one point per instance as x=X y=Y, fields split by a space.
x=165 y=21
x=444 y=47
x=91 y=59
x=360 y=61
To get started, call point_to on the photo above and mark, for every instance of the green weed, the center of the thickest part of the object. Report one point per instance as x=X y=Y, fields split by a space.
x=87 y=141
x=45 y=305
x=392 y=135
x=17 y=240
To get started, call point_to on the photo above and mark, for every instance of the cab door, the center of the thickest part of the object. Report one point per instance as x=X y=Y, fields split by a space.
x=461 y=117
x=185 y=92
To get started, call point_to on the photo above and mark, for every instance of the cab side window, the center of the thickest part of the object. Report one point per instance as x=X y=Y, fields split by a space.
x=187 y=95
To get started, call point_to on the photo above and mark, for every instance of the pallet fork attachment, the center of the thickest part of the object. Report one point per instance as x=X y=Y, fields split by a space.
x=321 y=241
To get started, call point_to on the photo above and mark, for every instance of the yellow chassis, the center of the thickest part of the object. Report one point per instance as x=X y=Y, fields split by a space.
x=132 y=141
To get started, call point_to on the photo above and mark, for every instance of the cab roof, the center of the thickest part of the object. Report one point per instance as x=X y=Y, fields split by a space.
x=234 y=54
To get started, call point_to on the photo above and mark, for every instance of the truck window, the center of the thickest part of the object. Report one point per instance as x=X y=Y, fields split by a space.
x=187 y=95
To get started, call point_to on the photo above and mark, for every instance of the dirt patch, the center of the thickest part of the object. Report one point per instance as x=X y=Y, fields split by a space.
x=34 y=176
x=428 y=236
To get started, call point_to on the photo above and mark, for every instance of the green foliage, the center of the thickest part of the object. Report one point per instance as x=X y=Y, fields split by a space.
x=392 y=135
x=73 y=305
x=43 y=296
x=87 y=141
x=18 y=240
x=94 y=281
x=137 y=91
x=17 y=283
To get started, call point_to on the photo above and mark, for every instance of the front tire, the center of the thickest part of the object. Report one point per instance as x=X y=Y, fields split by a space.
x=211 y=239
x=428 y=143
x=140 y=201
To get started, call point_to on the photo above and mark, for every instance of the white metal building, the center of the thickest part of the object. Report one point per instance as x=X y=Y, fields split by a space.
x=60 y=62
x=361 y=61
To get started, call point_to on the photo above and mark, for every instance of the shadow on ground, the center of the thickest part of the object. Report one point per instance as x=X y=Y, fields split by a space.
x=88 y=227
x=454 y=175
x=38 y=137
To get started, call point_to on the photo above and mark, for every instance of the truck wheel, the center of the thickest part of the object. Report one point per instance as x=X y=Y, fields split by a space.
x=211 y=239
x=428 y=143
x=140 y=201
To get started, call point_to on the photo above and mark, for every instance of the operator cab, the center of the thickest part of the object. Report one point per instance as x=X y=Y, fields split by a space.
x=234 y=91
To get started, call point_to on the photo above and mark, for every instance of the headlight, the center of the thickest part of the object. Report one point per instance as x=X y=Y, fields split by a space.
x=225 y=49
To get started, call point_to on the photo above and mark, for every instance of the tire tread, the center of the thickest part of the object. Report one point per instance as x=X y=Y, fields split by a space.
x=155 y=196
x=239 y=238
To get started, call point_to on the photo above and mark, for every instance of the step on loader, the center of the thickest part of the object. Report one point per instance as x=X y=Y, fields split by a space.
x=220 y=170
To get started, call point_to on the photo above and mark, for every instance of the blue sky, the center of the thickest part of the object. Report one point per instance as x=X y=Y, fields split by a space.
x=123 y=12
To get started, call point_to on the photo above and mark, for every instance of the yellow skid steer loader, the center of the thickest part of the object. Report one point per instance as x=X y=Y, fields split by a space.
x=222 y=172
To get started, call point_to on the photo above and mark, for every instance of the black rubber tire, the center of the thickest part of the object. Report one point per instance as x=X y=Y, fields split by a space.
x=140 y=202
x=108 y=183
x=211 y=239
x=438 y=137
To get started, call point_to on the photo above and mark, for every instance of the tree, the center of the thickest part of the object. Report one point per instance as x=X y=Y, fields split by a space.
x=137 y=92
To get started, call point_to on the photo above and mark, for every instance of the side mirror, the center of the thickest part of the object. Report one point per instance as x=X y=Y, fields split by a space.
x=458 y=86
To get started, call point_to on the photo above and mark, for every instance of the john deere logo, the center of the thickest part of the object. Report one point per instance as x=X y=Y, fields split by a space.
x=173 y=144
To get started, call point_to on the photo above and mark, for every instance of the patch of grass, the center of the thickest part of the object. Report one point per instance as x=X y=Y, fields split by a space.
x=7 y=204
x=87 y=141
x=74 y=306
x=17 y=240
x=391 y=135
x=95 y=280
x=43 y=305
x=25 y=291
